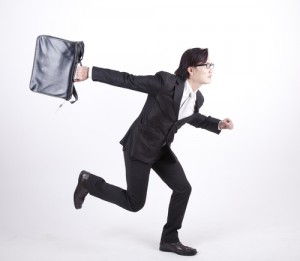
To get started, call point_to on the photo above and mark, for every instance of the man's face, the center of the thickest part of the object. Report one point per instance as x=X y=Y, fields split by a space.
x=201 y=74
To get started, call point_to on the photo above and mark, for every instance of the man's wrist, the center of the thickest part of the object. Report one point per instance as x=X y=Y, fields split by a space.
x=219 y=126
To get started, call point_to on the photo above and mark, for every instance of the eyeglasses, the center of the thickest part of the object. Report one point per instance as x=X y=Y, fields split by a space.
x=208 y=65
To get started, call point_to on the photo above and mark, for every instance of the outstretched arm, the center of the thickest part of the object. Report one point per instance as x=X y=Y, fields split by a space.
x=148 y=84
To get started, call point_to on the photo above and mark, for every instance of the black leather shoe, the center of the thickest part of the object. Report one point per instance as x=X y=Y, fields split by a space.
x=81 y=190
x=177 y=248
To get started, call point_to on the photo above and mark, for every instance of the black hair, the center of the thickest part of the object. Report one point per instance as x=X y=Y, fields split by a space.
x=191 y=57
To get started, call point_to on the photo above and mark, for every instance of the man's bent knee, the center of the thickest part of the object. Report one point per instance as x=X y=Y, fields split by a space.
x=137 y=207
x=185 y=189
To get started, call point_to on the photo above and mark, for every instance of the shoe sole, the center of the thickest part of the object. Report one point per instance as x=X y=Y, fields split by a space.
x=181 y=254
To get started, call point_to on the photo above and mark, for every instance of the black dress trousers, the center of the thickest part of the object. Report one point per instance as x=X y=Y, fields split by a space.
x=134 y=197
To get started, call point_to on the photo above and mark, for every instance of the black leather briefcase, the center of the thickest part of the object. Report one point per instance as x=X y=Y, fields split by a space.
x=54 y=66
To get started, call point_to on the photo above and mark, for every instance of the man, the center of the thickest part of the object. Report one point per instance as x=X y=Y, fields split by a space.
x=172 y=101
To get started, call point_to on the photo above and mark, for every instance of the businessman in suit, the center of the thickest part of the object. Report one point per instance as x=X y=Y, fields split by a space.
x=172 y=101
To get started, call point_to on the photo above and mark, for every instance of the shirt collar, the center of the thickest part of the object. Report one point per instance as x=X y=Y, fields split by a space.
x=188 y=89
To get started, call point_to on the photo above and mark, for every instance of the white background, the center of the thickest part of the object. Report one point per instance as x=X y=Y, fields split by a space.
x=245 y=199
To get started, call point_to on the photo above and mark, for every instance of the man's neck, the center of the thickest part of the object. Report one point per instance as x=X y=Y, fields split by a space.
x=194 y=86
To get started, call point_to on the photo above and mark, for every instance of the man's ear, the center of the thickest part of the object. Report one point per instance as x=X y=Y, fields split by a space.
x=190 y=70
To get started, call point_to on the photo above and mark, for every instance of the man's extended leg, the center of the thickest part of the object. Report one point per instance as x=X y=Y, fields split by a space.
x=132 y=199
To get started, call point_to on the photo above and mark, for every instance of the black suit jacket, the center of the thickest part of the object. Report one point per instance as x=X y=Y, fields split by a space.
x=158 y=120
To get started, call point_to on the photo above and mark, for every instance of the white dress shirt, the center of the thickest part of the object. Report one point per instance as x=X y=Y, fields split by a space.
x=188 y=102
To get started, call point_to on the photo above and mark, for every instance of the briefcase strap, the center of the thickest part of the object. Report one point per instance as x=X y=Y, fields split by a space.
x=80 y=52
x=75 y=95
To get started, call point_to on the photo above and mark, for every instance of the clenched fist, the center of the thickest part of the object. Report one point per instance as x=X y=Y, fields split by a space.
x=226 y=124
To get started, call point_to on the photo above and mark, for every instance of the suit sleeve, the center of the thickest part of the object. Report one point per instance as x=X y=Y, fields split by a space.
x=150 y=84
x=208 y=123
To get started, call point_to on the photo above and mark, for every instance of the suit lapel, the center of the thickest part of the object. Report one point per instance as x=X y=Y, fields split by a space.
x=178 y=95
x=199 y=101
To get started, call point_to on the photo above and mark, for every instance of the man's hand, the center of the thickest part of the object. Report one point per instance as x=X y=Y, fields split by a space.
x=226 y=124
x=82 y=73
